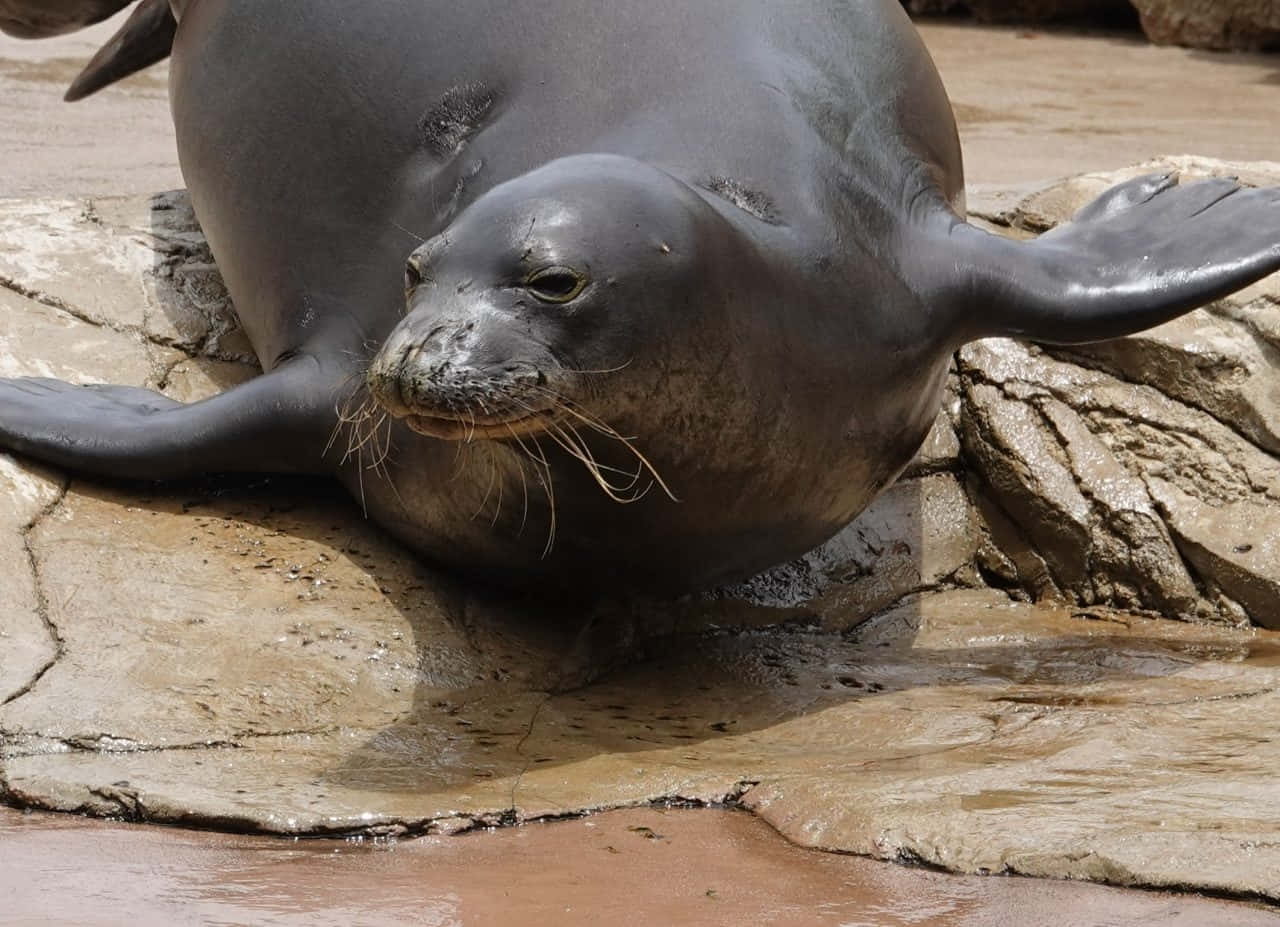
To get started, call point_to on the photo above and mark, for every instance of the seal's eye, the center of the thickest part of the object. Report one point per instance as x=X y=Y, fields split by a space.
x=556 y=284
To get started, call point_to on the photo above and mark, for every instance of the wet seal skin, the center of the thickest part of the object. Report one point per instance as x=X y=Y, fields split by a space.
x=592 y=297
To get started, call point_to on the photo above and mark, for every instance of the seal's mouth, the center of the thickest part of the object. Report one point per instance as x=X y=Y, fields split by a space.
x=474 y=428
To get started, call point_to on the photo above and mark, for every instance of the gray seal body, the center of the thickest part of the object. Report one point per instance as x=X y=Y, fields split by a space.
x=605 y=295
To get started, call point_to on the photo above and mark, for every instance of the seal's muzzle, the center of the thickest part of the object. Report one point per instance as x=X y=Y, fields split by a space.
x=463 y=377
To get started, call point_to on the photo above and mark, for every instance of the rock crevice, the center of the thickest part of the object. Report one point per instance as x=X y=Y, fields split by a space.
x=40 y=602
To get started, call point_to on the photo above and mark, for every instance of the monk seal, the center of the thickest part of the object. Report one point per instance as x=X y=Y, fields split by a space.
x=600 y=296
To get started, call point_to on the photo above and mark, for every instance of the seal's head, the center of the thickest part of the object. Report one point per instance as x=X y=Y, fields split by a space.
x=605 y=332
x=548 y=283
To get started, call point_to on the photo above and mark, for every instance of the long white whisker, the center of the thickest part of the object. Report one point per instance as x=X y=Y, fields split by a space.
x=604 y=429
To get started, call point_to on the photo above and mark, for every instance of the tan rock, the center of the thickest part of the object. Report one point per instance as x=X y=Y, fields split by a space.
x=1218 y=24
x=55 y=251
x=917 y=536
x=1084 y=513
x=1237 y=545
x=1206 y=360
x=193 y=379
x=931 y=735
x=1023 y=11
x=253 y=655
x=37 y=340
x=1070 y=445
x=1051 y=758
x=28 y=644
x=137 y=265
x=196 y=599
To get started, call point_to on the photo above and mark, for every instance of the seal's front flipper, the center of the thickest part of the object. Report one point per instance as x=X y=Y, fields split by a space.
x=1143 y=253
x=144 y=39
x=37 y=19
x=274 y=423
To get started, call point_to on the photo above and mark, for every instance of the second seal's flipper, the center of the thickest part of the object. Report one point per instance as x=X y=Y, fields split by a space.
x=275 y=423
x=38 y=19
x=1143 y=253
x=144 y=39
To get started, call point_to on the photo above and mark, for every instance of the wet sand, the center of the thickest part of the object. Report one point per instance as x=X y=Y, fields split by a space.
x=634 y=867
x=1032 y=107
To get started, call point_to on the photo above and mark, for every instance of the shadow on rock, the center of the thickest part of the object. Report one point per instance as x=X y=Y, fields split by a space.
x=253 y=654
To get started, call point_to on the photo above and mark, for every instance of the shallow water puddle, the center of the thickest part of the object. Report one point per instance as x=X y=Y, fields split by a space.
x=631 y=867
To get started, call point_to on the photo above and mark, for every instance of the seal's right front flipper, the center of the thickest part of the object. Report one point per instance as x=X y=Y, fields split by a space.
x=278 y=422
x=1143 y=253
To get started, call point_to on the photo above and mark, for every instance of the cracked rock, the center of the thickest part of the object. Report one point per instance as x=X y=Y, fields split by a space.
x=251 y=654
x=1066 y=450
x=1238 y=544
x=1207 y=360
x=129 y=264
x=1092 y=522
x=27 y=642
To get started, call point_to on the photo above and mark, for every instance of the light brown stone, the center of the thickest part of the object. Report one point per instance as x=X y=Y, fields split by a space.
x=1068 y=447
x=27 y=644
x=137 y=265
x=916 y=537
x=1024 y=11
x=936 y=734
x=1208 y=361
x=1086 y=515
x=1238 y=544
x=254 y=655
x=1218 y=24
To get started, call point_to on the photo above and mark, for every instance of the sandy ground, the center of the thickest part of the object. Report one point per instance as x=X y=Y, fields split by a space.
x=1032 y=107
x=119 y=142
x=1039 y=106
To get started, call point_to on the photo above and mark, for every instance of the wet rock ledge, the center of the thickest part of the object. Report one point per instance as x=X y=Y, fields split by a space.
x=982 y=673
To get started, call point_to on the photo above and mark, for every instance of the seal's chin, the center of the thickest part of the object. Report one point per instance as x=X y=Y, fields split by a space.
x=479 y=428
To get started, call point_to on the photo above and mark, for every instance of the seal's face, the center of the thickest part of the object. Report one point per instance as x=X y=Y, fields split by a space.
x=598 y=332
x=538 y=301
x=473 y=366
x=474 y=358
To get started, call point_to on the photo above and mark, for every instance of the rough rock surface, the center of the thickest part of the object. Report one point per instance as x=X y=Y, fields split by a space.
x=1221 y=24
x=1144 y=472
x=977 y=653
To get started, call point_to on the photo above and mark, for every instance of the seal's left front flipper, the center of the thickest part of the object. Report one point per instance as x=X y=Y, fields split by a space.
x=1143 y=253
x=273 y=423
x=144 y=39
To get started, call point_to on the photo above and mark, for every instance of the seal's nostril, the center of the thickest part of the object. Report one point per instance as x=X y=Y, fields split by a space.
x=416 y=271
x=412 y=274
